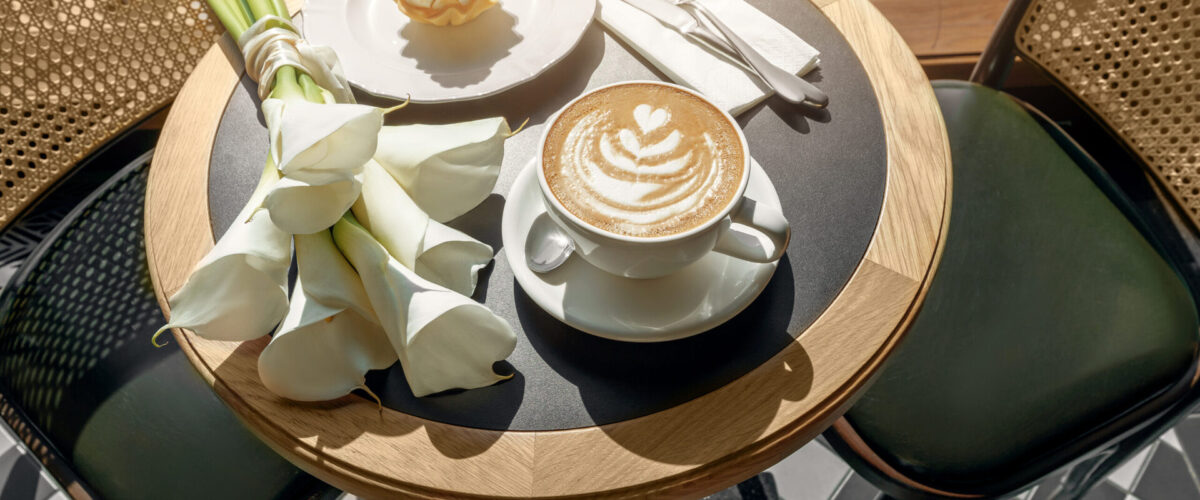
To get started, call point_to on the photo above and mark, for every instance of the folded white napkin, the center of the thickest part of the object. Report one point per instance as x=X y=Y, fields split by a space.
x=730 y=86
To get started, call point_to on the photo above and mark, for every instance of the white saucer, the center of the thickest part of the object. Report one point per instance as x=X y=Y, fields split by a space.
x=386 y=54
x=701 y=296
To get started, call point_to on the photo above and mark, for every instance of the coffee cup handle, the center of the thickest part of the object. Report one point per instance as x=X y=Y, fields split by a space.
x=759 y=218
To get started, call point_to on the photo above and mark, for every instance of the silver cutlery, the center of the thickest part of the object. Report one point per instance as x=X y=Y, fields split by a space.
x=684 y=23
x=790 y=87
x=691 y=23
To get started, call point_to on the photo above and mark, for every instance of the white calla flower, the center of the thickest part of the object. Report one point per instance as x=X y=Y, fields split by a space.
x=330 y=338
x=239 y=290
x=306 y=208
x=436 y=252
x=320 y=150
x=447 y=169
x=444 y=340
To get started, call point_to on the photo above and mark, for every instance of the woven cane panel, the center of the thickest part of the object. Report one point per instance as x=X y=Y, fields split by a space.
x=1136 y=64
x=75 y=73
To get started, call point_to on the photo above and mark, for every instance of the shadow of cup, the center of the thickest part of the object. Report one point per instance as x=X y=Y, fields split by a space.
x=619 y=381
x=670 y=437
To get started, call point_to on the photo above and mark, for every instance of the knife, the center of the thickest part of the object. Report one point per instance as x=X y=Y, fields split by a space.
x=787 y=85
x=683 y=22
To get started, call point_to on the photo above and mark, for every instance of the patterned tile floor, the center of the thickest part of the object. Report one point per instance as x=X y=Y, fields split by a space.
x=1163 y=471
x=21 y=476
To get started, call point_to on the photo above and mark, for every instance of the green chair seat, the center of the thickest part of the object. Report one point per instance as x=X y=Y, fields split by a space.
x=1050 y=316
x=131 y=420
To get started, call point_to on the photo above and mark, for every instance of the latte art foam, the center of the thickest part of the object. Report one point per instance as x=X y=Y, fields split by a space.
x=643 y=160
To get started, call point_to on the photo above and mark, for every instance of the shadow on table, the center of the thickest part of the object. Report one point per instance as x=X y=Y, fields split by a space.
x=618 y=381
x=444 y=51
x=536 y=99
x=483 y=222
x=334 y=429
x=237 y=162
x=796 y=116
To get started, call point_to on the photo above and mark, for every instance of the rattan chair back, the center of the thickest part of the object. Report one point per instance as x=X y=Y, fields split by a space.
x=76 y=73
x=1136 y=65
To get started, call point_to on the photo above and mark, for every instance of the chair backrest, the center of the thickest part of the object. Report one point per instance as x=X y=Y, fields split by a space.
x=74 y=75
x=1135 y=64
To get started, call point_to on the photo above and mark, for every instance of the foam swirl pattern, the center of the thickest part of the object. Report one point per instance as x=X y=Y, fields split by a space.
x=643 y=160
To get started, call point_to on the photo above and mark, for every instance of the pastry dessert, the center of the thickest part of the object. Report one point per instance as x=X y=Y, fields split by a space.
x=444 y=12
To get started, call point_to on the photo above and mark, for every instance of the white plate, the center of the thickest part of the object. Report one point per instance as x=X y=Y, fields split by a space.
x=697 y=298
x=386 y=54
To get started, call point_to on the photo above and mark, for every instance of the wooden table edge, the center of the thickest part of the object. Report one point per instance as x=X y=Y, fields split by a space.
x=895 y=262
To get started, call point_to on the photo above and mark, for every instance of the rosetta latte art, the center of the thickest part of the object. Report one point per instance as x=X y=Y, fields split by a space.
x=643 y=160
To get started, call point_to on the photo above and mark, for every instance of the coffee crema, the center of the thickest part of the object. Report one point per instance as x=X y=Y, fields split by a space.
x=643 y=160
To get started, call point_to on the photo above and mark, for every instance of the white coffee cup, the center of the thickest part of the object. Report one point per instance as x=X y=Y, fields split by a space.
x=657 y=256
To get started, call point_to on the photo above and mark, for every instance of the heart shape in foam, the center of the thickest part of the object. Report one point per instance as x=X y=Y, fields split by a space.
x=649 y=118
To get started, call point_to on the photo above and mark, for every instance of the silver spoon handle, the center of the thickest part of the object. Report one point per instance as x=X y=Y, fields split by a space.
x=790 y=87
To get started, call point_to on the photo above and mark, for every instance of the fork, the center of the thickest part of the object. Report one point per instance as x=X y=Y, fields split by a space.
x=790 y=87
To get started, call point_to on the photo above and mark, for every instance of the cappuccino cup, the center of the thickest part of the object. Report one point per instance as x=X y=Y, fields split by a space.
x=647 y=177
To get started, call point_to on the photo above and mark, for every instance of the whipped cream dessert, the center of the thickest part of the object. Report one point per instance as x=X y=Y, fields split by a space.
x=444 y=12
x=643 y=160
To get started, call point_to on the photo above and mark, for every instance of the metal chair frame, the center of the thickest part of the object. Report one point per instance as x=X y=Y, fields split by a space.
x=56 y=462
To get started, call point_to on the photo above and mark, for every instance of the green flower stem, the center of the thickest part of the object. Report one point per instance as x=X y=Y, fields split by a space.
x=312 y=91
x=261 y=8
x=238 y=15
x=241 y=5
x=281 y=9
x=231 y=15
x=286 y=86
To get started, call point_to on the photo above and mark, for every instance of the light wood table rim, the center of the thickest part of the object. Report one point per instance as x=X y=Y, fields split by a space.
x=746 y=425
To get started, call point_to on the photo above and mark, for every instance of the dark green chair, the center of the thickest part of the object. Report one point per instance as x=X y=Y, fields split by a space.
x=111 y=415
x=1059 y=333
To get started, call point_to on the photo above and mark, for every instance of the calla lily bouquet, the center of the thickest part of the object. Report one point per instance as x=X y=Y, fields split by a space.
x=381 y=279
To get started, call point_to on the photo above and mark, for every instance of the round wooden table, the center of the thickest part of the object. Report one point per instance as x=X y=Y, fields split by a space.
x=692 y=448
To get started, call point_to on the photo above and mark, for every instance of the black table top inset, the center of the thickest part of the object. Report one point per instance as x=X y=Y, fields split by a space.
x=829 y=166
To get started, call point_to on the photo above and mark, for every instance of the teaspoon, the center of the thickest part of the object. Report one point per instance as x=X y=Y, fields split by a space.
x=546 y=246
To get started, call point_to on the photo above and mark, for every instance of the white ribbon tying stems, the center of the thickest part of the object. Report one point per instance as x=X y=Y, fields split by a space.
x=273 y=42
